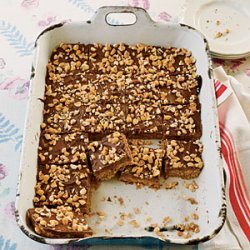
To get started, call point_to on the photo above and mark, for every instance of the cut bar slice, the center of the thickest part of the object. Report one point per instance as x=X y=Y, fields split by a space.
x=182 y=121
x=109 y=155
x=60 y=222
x=62 y=148
x=108 y=58
x=175 y=96
x=146 y=166
x=100 y=120
x=62 y=118
x=153 y=58
x=139 y=90
x=144 y=121
x=66 y=59
x=73 y=89
x=178 y=89
x=183 y=158
x=63 y=185
x=180 y=82
x=110 y=87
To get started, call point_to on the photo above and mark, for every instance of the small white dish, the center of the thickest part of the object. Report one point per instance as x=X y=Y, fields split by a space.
x=225 y=23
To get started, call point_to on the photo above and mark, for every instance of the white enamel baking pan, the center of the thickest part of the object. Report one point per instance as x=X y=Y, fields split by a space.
x=211 y=207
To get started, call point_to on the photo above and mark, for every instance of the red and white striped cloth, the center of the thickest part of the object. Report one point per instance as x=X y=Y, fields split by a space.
x=235 y=142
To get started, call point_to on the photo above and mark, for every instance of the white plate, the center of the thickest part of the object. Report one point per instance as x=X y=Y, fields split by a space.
x=213 y=16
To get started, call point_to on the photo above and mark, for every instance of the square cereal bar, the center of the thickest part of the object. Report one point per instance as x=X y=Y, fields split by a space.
x=178 y=89
x=144 y=121
x=110 y=88
x=59 y=222
x=182 y=121
x=62 y=118
x=146 y=59
x=178 y=61
x=172 y=60
x=146 y=165
x=65 y=82
x=68 y=58
x=183 y=158
x=174 y=96
x=76 y=90
x=67 y=185
x=180 y=82
x=109 y=155
x=141 y=91
x=100 y=120
x=108 y=58
x=62 y=148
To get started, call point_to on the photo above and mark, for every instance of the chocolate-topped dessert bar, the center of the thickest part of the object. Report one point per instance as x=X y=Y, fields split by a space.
x=182 y=121
x=75 y=92
x=100 y=120
x=109 y=155
x=63 y=118
x=179 y=90
x=144 y=121
x=172 y=96
x=177 y=61
x=172 y=60
x=182 y=82
x=110 y=88
x=183 y=158
x=67 y=185
x=66 y=60
x=109 y=58
x=62 y=148
x=146 y=165
x=141 y=91
x=59 y=222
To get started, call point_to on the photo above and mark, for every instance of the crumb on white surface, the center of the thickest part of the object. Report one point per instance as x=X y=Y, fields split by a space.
x=136 y=210
x=192 y=186
x=134 y=223
x=171 y=185
x=220 y=34
x=192 y=200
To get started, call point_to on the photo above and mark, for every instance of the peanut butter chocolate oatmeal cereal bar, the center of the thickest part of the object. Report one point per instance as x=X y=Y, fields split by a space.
x=87 y=89
x=100 y=120
x=178 y=89
x=110 y=88
x=67 y=185
x=172 y=60
x=183 y=158
x=180 y=61
x=75 y=92
x=146 y=165
x=62 y=148
x=147 y=58
x=182 y=121
x=68 y=59
x=144 y=121
x=60 y=222
x=62 y=118
x=182 y=82
x=141 y=91
x=66 y=81
x=175 y=96
x=109 y=58
x=109 y=155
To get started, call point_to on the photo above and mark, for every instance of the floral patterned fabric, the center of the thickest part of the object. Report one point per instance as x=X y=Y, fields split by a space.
x=20 y=23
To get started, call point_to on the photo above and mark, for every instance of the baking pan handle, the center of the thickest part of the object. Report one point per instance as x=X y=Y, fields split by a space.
x=142 y=17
